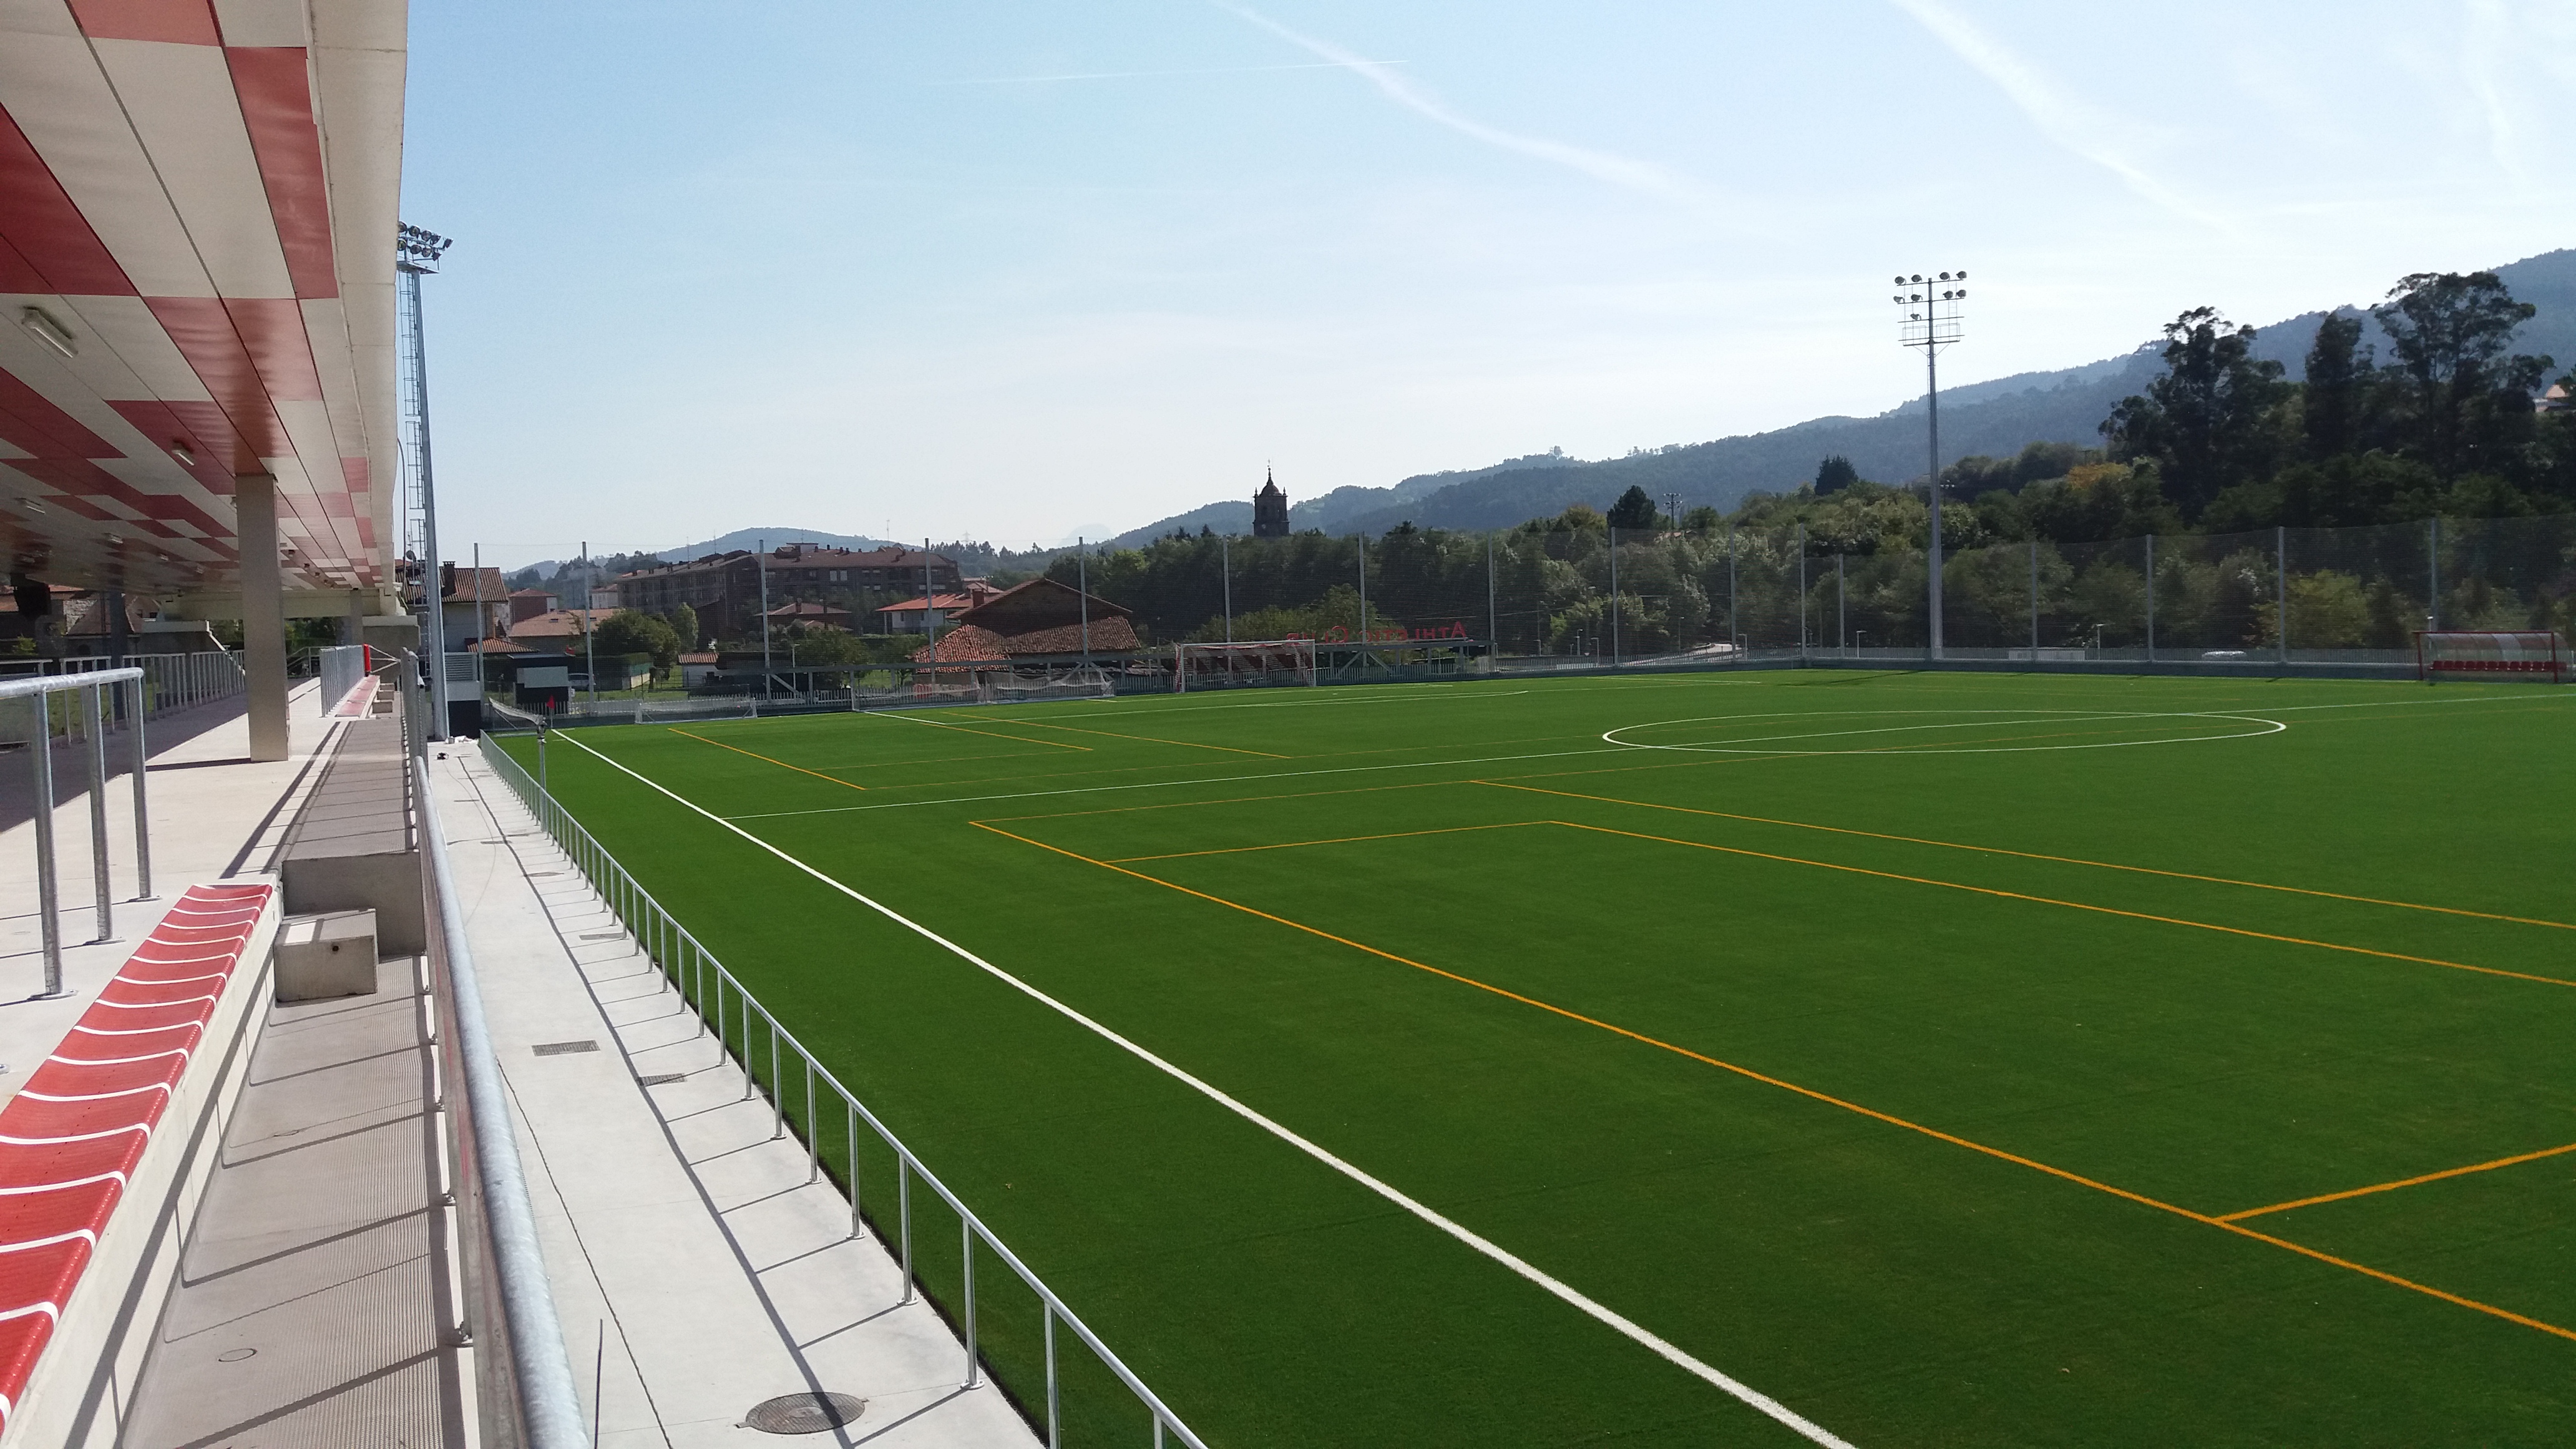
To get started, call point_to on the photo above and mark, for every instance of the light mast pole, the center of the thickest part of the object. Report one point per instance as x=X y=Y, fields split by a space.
x=1931 y=313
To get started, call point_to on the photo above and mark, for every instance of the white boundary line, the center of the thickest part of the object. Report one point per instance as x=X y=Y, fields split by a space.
x=1629 y=1328
x=1158 y=784
x=1713 y=747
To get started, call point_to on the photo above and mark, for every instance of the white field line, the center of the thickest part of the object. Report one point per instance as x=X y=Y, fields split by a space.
x=1628 y=1328
x=1157 y=784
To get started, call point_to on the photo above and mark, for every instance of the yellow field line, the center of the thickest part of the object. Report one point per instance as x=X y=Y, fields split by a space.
x=2075 y=905
x=1230 y=800
x=2282 y=1207
x=1813 y=1094
x=1147 y=739
x=782 y=764
x=2035 y=855
x=988 y=734
x=1337 y=840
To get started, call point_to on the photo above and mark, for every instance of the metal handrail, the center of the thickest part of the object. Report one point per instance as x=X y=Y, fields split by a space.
x=674 y=951
x=95 y=719
x=528 y=1392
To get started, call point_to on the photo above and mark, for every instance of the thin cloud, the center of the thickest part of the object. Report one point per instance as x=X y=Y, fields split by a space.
x=1620 y=171
x=1084 y=75
x=2061 y=118
x=2489 y=35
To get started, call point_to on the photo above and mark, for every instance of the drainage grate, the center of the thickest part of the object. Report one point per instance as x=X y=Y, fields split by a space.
x=532 y=875
x=662 y=1079
x=804 y=1413
x=564 y=1048
x=603 y=935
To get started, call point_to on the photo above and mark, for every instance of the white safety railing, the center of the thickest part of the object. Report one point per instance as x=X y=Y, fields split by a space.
x=170 y=681
x=525 y=1388
x=706 y=986
x=88 y=719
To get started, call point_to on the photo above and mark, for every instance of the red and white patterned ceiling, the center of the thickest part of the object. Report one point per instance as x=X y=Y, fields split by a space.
x=197 y=211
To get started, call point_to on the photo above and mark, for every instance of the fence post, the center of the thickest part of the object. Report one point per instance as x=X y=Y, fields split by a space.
x=1493 y=613
x=2151 y=598
x=2433 y=572
x=40 y=750
x=966 y=1255
x=903 y=1215
x=94 y=724
x=2281 y=587
x=1614 y=596
x=142 y=818
x=1055 y=1427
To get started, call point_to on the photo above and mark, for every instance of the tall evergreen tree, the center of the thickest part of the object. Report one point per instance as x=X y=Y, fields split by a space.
x=2207 y=421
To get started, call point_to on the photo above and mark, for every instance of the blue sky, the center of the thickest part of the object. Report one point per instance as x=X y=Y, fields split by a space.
x=1017 y=271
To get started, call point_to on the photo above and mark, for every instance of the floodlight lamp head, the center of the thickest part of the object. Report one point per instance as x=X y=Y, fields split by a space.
x=1918 y=277
x=1900 y=280
x=1945 y=276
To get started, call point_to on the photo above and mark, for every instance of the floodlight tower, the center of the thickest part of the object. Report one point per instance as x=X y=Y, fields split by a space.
x=1931 y=320
x=416 y=253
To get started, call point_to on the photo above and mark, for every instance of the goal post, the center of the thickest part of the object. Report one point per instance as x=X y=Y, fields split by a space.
x=1267 y=661
x=2537 y=655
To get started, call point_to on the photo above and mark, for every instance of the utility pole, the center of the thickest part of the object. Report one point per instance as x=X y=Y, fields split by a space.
x=589 y=650
x=1225 y=566
x=1082 y=575
x=760 y=564
x=1931 y=313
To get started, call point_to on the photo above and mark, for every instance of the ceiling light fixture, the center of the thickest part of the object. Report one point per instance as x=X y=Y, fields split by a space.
x=179 y=450
x=32 y=505
x=48 y=331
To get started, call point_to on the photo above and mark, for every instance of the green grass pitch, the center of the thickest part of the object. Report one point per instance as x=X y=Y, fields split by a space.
x=1950 y=1057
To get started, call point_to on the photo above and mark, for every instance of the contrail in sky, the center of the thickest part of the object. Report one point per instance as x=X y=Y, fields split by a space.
x=2060 y=117
x=1016 y=80
x=1622 y=171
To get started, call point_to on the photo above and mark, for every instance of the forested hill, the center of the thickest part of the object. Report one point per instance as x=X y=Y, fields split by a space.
x=1995 y=417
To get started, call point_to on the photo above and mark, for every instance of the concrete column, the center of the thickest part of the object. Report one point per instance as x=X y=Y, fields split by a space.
x=353 y=628
x=263 y=613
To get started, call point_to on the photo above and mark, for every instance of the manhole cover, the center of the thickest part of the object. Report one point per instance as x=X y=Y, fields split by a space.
x=234 y=1355
x=804 y=1413
x=560 y=1048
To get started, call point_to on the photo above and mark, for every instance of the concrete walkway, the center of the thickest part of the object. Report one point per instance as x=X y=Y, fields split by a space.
x=696 y=1270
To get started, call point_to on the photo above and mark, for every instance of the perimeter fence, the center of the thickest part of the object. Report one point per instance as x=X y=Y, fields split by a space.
x=1595 y=597
x=1012 y=1328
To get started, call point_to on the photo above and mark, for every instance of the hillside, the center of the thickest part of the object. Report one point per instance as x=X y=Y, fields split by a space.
x=1995 y=417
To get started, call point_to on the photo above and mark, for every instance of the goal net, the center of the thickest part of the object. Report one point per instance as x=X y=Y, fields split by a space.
x=2536 y=655
x=1015 y=686
x=1269 y=661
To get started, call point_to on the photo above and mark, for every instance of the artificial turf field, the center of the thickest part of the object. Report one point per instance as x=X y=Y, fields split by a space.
x=1956 y=1059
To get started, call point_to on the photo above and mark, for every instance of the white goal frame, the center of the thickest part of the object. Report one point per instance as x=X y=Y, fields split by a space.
x=2537 y=655
x=1223 y=663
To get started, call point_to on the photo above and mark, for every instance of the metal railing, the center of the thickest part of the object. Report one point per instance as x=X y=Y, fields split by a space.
x=89 y=718
x=524 y=1384
x=170 y=681
x=705 y=986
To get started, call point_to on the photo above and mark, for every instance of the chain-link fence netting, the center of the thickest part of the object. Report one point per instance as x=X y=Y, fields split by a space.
x=1568 y=597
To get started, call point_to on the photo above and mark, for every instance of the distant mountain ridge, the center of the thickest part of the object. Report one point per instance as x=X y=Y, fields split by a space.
x=1996 y=417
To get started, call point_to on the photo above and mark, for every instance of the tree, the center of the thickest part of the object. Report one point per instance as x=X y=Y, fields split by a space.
x=629 y=631
x=1834 y=474
x=684 y=623
x=2208 y=420
x=1634 y=511
x=2337 y=387
x=2472 y=401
